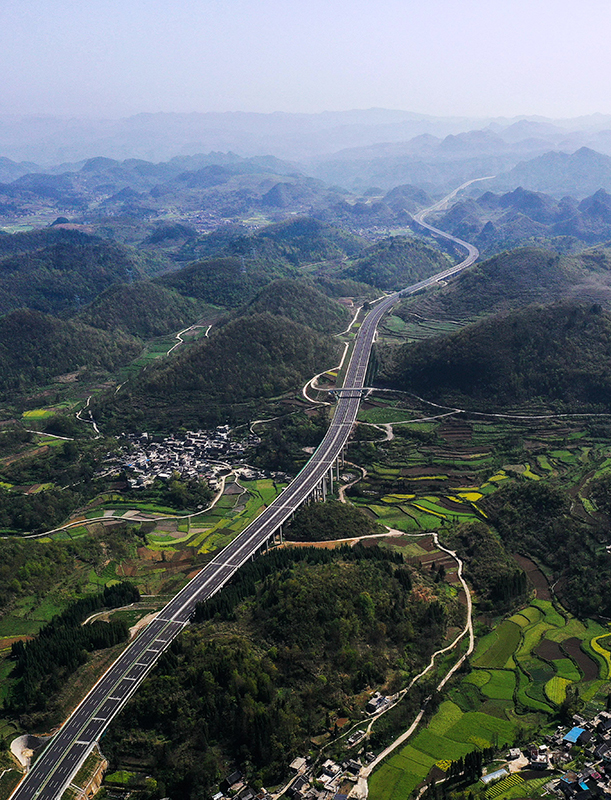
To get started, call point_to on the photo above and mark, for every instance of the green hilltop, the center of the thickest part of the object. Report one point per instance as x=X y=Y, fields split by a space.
x=247 y=361
x=300 y=303
x=225 y=281
x=143 y=308
x=396 y=262
x=517 y=278
x=558 y=354
x=57 y=274
x=293 y=242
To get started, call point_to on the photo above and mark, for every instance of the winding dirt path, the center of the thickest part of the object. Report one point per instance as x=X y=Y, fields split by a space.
x=361 y=788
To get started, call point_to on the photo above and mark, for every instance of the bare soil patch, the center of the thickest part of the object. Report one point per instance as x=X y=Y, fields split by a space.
x=427 y=543
x=7 y=641
x=449 y=505
x=548 y=650
x=572 y=647
x=535 y=576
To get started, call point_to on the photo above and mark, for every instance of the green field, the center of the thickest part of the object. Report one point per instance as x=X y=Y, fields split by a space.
x=497 y=648
x=481 y=713
x=450 y=735
x=501 y=685
x=555 y=689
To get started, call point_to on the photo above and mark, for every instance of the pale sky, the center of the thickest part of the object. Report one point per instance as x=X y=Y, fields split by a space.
x=112 y=58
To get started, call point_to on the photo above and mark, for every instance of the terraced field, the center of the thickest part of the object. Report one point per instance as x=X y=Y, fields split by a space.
x=451 y=734
x=521 y=671
x=435 y=473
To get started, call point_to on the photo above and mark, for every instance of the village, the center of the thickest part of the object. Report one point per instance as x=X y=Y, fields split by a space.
x=196 y=454
x=576 y=759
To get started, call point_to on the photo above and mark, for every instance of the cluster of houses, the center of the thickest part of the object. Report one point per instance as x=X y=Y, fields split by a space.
x=196 y=454
x=330 y=781
x=590 y=741
x=333 y=781
x=593 y=779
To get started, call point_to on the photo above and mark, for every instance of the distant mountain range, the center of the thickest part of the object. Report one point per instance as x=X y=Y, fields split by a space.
x=158 y=137
x=50 y=141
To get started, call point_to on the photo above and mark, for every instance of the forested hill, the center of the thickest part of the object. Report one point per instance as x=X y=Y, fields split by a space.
x=317 y=628
x=35 y=347
x=558 y=354
x=297 y=241
x=214 y=380
x=305 y=240
x=66 y=273
x=396 y=262
x=227 y=281
x=143 y=308
x=301 y=303
x=519 y=277
x=28 y=241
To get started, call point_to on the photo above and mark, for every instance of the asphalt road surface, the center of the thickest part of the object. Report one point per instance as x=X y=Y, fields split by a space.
x=67 y=750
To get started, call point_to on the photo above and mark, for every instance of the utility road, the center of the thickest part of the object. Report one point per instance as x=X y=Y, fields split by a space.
x=65 y=753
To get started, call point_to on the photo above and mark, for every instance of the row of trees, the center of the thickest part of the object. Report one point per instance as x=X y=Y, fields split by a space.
x=62 y=645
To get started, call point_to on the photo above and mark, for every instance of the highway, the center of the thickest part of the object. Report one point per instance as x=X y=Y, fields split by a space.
x=67 y=750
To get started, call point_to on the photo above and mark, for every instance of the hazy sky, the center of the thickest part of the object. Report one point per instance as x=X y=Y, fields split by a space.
x=444 y=57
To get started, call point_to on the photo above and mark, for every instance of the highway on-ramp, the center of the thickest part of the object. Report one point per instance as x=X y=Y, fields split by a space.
x=67 y=750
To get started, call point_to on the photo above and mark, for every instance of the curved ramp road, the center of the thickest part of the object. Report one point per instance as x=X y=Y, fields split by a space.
x=62 y=757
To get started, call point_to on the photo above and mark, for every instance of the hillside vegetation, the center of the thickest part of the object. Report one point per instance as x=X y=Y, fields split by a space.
x=293 y=242
x=63 y=275
x=517 y=278
x=319 y=522
x=35 y=347
x=558 y=354
x=228 y=281
x=535 y=518
x=300 y=303
x=308 y=630
x=144 y=309
x=251 y=358
x=396 y=262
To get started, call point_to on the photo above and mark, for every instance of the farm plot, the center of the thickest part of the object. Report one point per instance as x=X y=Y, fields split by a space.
x=501 y=685
x=501 y=645
x=502 y=786
x=555 y=689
